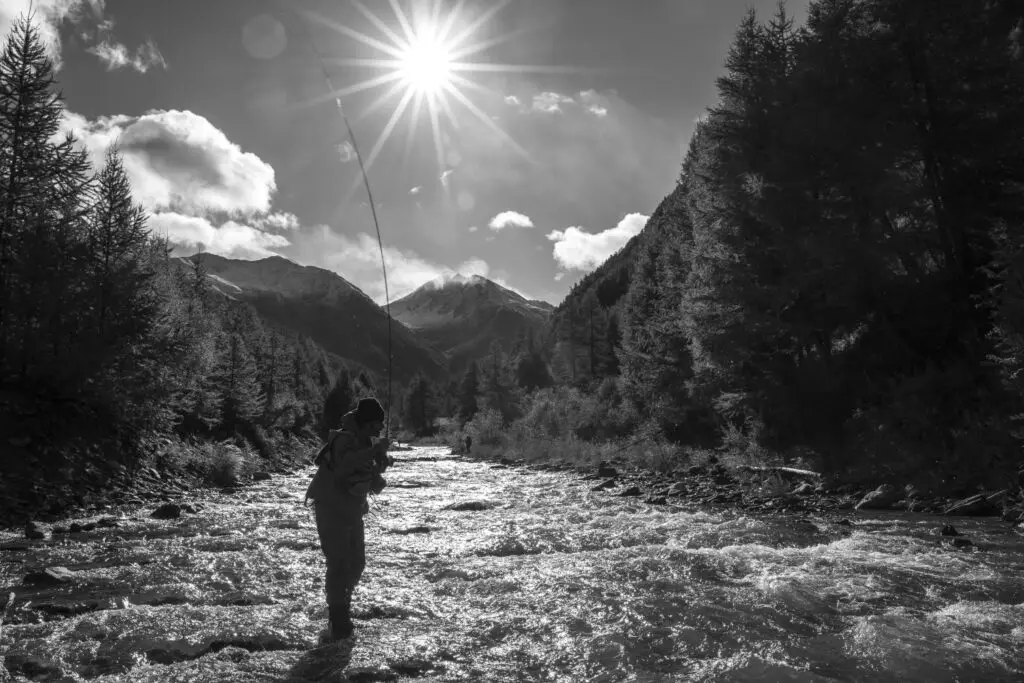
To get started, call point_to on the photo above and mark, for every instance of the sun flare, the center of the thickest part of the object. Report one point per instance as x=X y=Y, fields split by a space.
x=426 y=65
x=423 y=59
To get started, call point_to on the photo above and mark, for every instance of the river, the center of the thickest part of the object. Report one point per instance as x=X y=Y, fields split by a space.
x=540 y=579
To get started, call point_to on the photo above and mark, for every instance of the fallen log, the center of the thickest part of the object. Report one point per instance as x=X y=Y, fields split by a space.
x=781 y=471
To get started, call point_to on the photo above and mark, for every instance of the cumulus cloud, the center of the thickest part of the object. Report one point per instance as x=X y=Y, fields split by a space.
x=513 y=100
x=180 y=162
x=473 y=228
x=117 y=56
x=510 y=219
x=559 y=276
x=577 y=249
x=416 y=190
x=230 y=239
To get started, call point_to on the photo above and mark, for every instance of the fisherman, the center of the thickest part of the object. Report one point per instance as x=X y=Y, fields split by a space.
x=469 y=443
x=349 y=466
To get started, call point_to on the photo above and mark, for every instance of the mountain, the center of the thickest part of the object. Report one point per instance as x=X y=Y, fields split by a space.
x=327 y=308
x=463 y=315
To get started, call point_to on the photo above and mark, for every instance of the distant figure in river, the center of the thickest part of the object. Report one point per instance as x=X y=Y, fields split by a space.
x=349 y=466
x=469 y=443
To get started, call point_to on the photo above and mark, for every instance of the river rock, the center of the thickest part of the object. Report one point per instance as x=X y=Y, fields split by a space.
x=607 y=484
x=607 y=471
x=51 y=576
x=677 y=489
x=958 y=542
x=949 y=530
x=1013 y=515
x=882 y=498
x=975 y=506
x=803 y=489
x=35 y=531
x=657 y=500
x=261 y=476
x=631 y=491
x=471 y=506
x=167 y=511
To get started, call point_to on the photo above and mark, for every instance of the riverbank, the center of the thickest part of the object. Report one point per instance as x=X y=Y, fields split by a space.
x=764 y=490
x=90 y=481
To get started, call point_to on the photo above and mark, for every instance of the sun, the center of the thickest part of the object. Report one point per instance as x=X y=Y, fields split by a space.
x=422 y=60
x=426 y=64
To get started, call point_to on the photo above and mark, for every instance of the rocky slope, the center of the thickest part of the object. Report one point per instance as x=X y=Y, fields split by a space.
x=462 y=316
x=327 y=308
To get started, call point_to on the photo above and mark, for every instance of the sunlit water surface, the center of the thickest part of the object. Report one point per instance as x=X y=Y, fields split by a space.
x=554 y=582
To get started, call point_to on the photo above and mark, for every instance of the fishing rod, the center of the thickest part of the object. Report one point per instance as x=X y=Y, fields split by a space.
x=369 y=194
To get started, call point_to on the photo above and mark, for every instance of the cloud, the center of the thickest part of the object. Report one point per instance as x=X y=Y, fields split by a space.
x=49 y=15
x=510 y=219
x=513 y=100
x=230 y=239
x=446 y=177
x=94 y=28
x=576 y=249
x=416 y=190
x=559 y=276
x=180 y=162
x=116 y=56
x=346 y=152
x=595 y=103
x=473 y=228
x=281 y=221
x=550 y=102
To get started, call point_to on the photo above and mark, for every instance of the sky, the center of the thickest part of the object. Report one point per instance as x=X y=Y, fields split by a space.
x=563 y=126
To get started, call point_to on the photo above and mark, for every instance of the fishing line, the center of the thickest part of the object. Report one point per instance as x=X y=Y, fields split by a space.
x=369 y=194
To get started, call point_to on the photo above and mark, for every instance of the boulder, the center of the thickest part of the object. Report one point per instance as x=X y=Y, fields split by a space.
x=51 y=576
x=607 y=484
x=607 y=471
x=657 y=500
x=949 y=530
x=261 y=476
x=974 y=506
x=167 y=511
x=631 y=491
x=882 y=498
x=35 y=531
x=677 y=489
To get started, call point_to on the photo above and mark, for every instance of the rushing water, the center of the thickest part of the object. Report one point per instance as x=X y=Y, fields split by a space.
x=543 y=581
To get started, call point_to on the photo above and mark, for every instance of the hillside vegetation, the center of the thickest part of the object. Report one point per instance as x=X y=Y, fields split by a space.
x=113 y=355
x=836 y=277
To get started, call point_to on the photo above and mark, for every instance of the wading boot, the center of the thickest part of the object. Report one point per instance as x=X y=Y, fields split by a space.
x=340 y=624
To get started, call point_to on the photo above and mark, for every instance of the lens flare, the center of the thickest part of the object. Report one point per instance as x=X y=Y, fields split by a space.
x=423 y=61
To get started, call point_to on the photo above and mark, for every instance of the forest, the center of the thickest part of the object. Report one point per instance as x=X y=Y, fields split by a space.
x=837 y=276
x=836 y=279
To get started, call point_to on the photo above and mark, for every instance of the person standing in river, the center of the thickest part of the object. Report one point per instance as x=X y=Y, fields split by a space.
x=349 y=467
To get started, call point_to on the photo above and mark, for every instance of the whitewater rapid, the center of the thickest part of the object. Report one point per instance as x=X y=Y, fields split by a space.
x=478 y=572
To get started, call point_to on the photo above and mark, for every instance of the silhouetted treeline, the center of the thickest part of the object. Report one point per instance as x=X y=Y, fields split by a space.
x=99 y=325
x=839 y=268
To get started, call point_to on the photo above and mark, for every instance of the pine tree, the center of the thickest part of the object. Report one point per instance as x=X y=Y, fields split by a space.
x=469 y=389
x=420 y=406
x=339 y=401
x=242 y=397
x=43 y=195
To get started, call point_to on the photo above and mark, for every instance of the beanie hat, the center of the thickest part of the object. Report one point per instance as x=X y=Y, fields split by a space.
x=369 y=410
